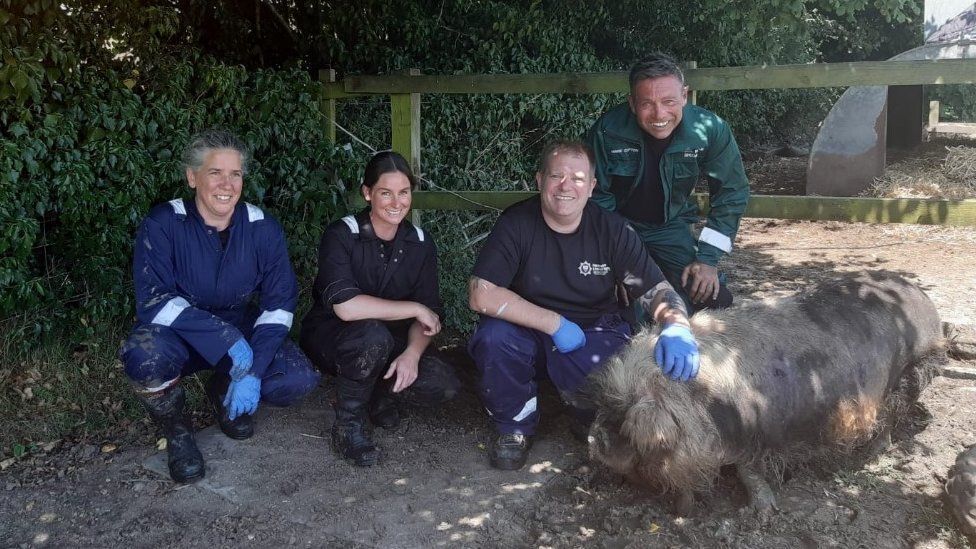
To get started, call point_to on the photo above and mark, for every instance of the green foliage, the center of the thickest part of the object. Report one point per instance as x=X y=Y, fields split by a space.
x=91 y=141
x=98 y=99
x=957 y=102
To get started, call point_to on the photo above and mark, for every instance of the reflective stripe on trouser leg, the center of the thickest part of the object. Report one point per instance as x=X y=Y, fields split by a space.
x=506 y=355
x=154 y=357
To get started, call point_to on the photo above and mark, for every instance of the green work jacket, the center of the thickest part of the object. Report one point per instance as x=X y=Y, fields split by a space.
x=702 y=145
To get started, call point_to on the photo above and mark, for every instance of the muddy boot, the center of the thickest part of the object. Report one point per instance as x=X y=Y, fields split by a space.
x=509 y=451
x=240 y=428
x=350 y=434
x=383 y=409
x=166 y=409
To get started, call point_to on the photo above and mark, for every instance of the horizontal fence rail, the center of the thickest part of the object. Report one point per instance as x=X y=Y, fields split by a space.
x=812 y=208
x=815 y=75
x=405 y=92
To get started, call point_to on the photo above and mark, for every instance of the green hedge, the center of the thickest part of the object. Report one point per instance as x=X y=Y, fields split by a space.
x=88 y=148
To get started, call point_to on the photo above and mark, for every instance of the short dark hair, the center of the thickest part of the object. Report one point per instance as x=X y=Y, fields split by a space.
x=655 y=65
x=387 y=162
x=566 y=146
x=212 y=139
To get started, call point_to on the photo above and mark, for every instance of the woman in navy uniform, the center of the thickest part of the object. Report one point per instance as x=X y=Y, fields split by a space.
x=214 y=291
x=376 y=308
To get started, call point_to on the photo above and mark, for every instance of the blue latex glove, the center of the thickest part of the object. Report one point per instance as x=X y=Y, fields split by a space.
x=242 y=357
x=569 y=336
x=242 y=396
x=676 y=352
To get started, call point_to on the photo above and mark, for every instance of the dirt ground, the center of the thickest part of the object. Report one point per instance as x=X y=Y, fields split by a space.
x=284 y=486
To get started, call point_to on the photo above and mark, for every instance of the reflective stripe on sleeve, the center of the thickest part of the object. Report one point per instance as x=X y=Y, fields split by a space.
x=717 y=239
x=277 y=316
x=167 y=315
x=526 y=410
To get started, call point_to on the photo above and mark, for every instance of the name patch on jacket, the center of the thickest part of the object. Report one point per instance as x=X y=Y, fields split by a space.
x=627 y=150
x=692 y=153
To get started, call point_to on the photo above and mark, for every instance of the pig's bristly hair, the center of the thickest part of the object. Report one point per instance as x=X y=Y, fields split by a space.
x=676 y=445
x=662 y=431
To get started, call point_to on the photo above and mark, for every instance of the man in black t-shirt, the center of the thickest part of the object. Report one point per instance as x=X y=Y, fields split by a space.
x=546 y=286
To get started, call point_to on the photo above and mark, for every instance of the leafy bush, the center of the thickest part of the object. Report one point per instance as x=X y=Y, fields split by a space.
x=88 y=146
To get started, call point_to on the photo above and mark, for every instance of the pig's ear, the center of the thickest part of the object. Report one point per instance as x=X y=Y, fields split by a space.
x=650 y=427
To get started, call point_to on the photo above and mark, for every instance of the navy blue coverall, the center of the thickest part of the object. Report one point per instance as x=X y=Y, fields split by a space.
x=196 y=297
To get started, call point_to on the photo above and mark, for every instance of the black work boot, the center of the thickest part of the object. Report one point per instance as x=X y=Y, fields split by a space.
x=166 y=408
x=508 y=451
x=239 y=428
x=350 y=434
x=383 y=409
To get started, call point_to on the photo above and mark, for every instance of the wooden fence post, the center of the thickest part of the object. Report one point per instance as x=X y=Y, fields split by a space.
x=933 y=115
x=692 y=95
x=405 y=123
x=328 y=106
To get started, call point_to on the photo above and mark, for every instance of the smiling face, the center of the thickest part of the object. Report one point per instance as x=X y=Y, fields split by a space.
x=389 y=199
x=565 y=185
x=218 y=184
x=657 y=104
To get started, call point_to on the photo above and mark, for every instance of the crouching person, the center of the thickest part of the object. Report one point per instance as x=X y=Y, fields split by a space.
x=376 y=308
x=199 y=268
x=546 y=284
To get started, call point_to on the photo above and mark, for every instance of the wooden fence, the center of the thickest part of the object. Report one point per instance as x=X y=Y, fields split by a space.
x=405 y=92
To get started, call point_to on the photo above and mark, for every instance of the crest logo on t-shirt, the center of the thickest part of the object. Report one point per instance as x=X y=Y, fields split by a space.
x=586 y=269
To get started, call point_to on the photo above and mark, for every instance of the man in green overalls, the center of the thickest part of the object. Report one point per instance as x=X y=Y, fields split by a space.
x=650 y=152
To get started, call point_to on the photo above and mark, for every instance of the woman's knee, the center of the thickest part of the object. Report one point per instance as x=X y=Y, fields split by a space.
x=363 y=348
x=153 y=356
x=436 y=383
x=290 y=377
x=287 y=389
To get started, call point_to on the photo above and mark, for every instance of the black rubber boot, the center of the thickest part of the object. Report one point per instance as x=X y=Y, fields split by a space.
x=383 y=409
x=166 y=409
x=240 y=428
x=350 y=434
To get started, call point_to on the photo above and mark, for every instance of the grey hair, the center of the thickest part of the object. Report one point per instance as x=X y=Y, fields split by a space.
x=212 y=139
x=655 y=65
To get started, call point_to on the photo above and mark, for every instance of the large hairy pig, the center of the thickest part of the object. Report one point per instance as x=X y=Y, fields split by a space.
x=821 y=371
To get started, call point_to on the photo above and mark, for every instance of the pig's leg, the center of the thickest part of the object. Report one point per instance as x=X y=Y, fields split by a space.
x=761 y=497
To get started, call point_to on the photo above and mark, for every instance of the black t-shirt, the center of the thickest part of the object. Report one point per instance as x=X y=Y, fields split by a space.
x=575 y=275
x=354 y=261
x=646 y=203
